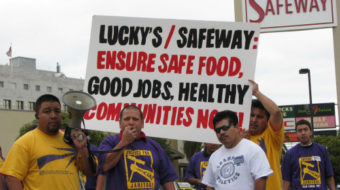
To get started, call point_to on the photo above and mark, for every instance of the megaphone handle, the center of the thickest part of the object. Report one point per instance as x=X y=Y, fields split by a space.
x=79 y=137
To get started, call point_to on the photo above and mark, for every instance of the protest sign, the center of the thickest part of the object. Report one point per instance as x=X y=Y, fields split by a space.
x=179 y=72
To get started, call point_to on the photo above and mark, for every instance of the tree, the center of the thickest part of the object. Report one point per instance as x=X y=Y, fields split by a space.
x=164 y=144
x=332 y=143
x=190 y=148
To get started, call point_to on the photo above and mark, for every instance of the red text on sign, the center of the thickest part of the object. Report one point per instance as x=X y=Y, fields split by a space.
x=129 y=61
x=176 y=63
x=220 y=66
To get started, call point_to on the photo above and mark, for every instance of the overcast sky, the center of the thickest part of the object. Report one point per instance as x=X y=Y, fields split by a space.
x=59 y=31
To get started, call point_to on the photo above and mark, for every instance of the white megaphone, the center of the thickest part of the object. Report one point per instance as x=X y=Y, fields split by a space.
x=77 y=103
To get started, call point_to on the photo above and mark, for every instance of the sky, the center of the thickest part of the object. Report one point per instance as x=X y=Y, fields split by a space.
x=59 y=31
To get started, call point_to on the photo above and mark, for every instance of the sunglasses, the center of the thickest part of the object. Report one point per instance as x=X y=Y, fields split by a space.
x=224 y=127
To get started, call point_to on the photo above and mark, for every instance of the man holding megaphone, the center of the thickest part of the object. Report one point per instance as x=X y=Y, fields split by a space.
x=41 y=159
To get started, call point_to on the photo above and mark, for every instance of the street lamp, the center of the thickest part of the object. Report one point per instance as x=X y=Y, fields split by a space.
x=304 y=71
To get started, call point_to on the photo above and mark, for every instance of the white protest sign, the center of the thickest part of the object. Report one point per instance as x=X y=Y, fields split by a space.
x=179 y=72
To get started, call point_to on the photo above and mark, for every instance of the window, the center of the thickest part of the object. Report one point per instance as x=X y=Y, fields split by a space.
x=25 y=86
x=7 y=104
x=1 y=84
x=13 y=85
x=31 y=105
x=49 y=89
x=20 y=105
x=60 y=90
x=37 y=87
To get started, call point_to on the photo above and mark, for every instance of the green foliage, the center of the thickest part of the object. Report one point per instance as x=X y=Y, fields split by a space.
x=27 y=127
x=332 y=143
x=164 y=144
x=96 y=137
x=284 y=150
x=190 y=148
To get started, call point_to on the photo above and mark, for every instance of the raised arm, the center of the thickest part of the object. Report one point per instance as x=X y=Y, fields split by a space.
x=88 y=164
x=275 y=118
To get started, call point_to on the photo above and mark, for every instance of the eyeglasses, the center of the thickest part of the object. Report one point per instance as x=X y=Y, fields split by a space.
x=224 y=127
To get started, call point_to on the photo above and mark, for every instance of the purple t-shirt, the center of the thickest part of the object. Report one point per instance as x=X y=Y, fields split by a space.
x=307 y=167
x=197 y=165
x=143 y=165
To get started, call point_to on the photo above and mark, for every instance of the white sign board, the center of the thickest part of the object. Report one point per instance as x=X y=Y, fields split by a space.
x=283 y=15
x=179 y=72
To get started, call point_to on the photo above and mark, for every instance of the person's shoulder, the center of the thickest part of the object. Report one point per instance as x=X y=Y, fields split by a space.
x=218 y=152
x=247 y=142
x=26 y=140
x=250 y=148
x=110 y=140
x=152 y=142
x=27 y=136
x=293 y=150
x=319 y=146
x=197 y=154
x=112 y=137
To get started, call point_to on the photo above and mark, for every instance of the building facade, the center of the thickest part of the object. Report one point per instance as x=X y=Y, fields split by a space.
x=21 y=83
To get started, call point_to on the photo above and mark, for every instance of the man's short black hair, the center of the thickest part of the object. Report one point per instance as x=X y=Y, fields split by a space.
x=45 y=98
x=131 y=107
x=303 y=122
x=257 y=104
x=226 y=114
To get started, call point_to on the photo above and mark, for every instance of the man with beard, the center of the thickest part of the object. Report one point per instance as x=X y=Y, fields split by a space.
x=41 y=159
x=198 y=164
x=307 y=164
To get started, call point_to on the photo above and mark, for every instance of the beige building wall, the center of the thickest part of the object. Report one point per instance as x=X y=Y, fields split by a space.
x=10 y=123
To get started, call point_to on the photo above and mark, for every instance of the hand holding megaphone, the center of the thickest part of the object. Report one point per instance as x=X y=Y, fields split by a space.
x=79 y=138
x=77 y=103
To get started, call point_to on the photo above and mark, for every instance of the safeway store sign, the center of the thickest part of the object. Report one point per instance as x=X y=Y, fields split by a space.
x=283 y=15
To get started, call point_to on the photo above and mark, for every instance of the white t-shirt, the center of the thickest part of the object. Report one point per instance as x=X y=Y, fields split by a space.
x=238 y=167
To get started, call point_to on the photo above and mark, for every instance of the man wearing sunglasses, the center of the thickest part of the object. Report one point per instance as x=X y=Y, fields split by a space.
x=239 y=163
